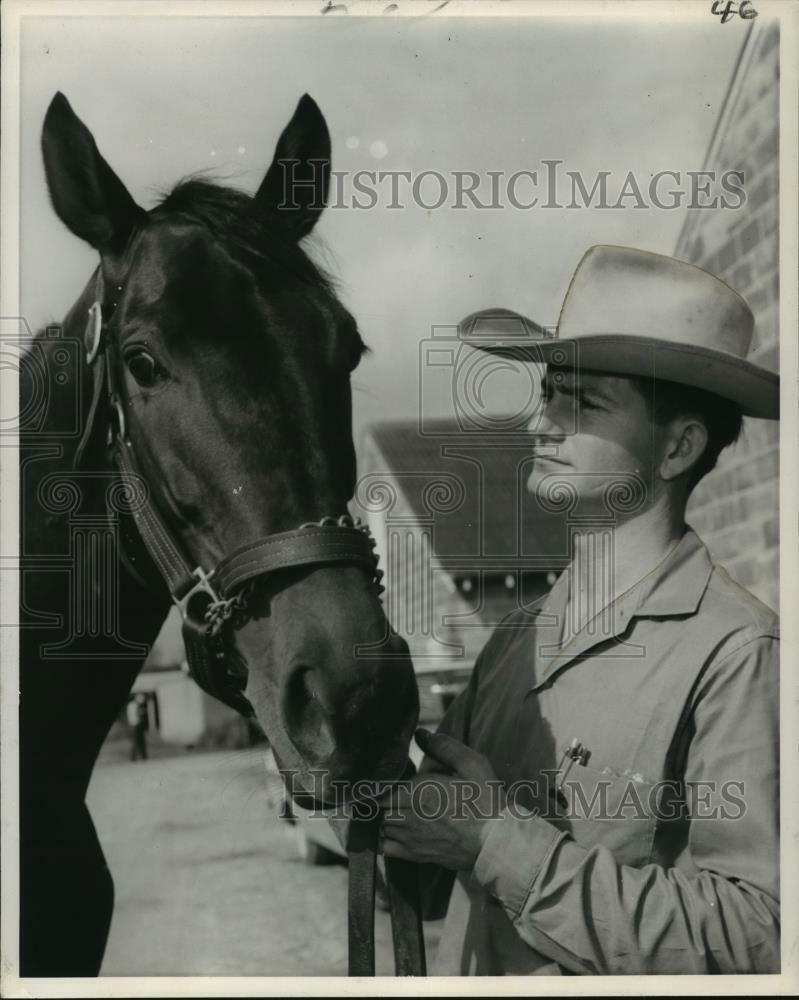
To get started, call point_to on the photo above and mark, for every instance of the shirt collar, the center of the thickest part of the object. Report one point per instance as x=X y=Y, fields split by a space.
x=674 y=587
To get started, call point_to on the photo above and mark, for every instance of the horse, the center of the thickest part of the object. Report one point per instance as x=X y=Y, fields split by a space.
x=186 y=437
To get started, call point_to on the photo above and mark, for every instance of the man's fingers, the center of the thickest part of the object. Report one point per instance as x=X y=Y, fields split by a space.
x=449 y=752
x=395 y=836
x=394 y=849
x=400 y=798
x=393 y=820
x=395 y=828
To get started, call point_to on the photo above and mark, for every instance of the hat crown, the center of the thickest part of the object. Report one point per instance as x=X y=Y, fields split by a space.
x=635 y=313
x=620 y=290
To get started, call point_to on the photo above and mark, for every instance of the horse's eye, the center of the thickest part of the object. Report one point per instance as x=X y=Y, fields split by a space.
x=143 y=367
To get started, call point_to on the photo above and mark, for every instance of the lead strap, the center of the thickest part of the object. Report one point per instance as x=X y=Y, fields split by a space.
x=362 y=854
x=406 y=921
x=404 y=897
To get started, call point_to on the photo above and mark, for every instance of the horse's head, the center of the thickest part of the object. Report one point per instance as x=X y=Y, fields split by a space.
x=232 y=357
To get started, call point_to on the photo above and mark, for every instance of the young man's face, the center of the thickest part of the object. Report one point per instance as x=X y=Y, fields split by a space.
x=592 y=430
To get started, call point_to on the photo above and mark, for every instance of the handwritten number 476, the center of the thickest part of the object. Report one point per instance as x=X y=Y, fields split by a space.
x=730 y=8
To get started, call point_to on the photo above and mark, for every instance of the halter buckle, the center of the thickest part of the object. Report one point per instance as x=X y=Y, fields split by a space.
x=121 y=430
x=203 y=585
x=94 y=331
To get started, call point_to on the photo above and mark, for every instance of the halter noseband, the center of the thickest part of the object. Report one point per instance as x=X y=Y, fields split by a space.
x=209 y=601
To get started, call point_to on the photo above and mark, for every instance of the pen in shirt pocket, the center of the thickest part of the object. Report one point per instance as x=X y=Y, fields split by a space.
x=575 y=753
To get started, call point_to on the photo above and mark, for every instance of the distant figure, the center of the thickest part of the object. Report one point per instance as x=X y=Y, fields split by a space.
x=139 y=723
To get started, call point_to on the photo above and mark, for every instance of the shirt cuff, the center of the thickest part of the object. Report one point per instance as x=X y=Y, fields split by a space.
x=514 y=852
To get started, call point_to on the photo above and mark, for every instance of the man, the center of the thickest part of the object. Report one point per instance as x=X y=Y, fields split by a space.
x=609 y=778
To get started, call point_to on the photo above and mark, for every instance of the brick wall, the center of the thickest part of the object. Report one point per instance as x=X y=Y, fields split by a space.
x=735 y=508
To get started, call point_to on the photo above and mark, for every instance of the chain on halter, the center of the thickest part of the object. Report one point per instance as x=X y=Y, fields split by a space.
x=219 y=612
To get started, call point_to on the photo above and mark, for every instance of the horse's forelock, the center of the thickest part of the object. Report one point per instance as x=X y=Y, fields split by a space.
x=233 y=220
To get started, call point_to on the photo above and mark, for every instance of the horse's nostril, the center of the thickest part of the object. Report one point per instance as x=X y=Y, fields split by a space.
x=309 y=684
x=308 y=712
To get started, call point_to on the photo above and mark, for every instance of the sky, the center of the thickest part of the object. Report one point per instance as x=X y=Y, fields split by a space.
x=166 y=97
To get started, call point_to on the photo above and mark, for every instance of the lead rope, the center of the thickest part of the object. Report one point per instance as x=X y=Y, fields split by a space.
x=402 y=878
x=407 y=928
x=362 y=854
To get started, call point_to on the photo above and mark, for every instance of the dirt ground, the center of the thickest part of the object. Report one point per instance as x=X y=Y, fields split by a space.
x=209 y=880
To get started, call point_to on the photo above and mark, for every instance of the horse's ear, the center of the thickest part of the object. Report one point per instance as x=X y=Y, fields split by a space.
x=294 y=192
x=87 y=195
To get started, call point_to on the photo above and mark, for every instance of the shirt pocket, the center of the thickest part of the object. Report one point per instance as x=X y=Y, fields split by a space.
x=600 y=804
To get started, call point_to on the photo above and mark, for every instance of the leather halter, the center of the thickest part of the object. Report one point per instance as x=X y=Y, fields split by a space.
x=209 y=601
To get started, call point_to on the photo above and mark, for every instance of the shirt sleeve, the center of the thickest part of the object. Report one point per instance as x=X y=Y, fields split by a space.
x=719 y=911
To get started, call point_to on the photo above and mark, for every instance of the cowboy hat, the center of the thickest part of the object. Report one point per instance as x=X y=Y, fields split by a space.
x=630 y=312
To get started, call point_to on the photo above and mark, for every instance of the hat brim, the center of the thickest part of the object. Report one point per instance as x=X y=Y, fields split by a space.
x=755 y=389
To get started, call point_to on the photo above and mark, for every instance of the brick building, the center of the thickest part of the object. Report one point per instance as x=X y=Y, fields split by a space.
x=735 y=508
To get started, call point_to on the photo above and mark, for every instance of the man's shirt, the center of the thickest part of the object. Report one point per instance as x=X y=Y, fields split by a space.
x=659 y=853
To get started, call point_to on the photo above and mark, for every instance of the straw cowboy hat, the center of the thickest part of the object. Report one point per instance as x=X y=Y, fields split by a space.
x=629 y=312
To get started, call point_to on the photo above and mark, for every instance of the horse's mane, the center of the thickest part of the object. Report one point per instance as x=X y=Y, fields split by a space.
x=233 y=220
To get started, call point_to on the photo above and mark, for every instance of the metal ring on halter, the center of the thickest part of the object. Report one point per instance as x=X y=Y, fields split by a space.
x=94 y=326
x=120 y=417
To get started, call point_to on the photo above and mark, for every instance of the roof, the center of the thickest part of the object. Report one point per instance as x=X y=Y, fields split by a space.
x=471 y=488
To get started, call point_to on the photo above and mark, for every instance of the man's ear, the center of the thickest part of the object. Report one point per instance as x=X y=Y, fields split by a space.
x=293 y=193
x=86 y=194
x=685 y=441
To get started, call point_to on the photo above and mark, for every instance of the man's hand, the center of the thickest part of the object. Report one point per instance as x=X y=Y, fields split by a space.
x=442 y=818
